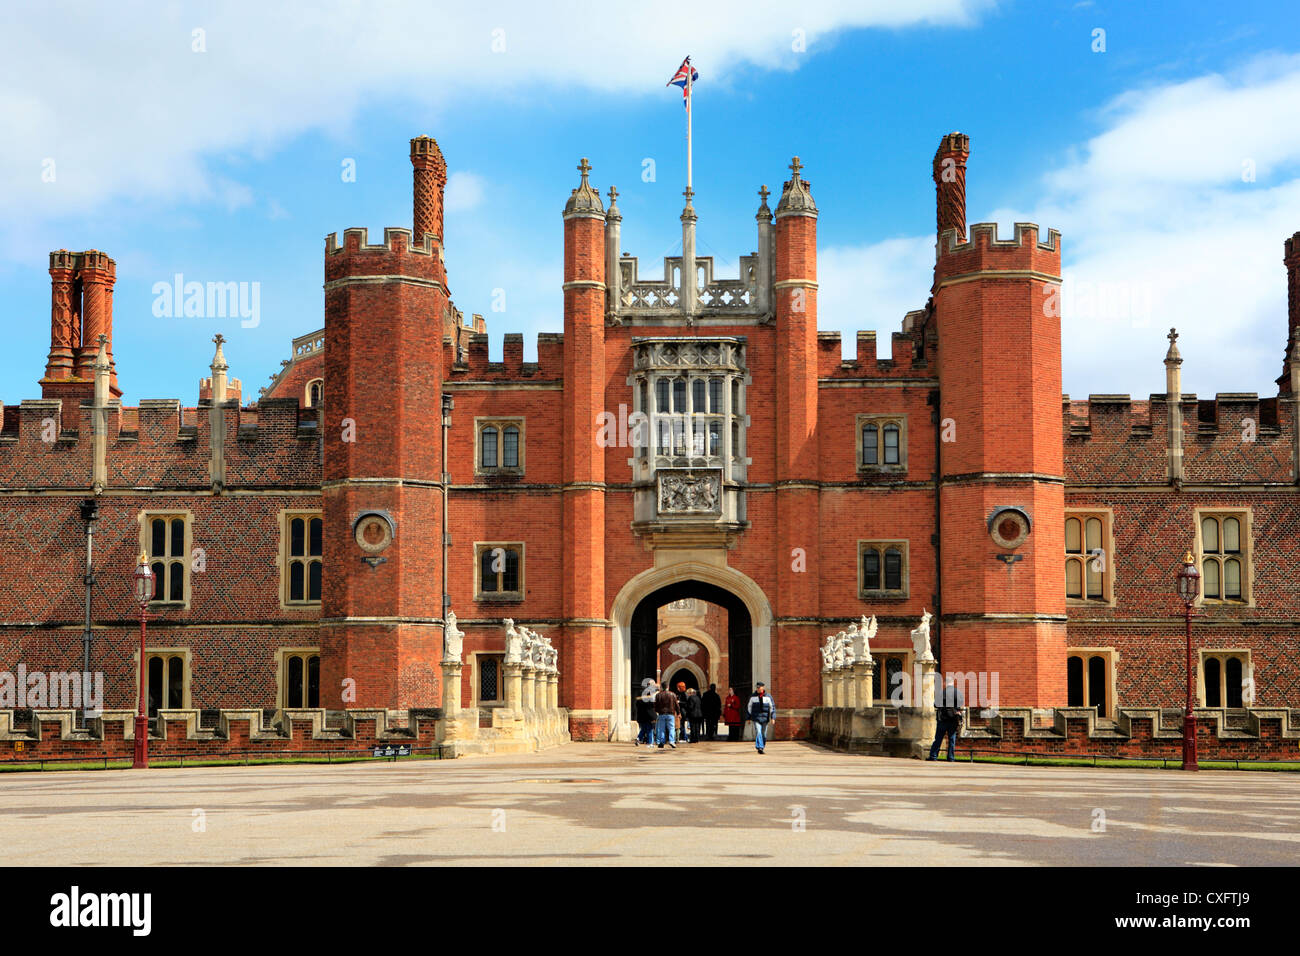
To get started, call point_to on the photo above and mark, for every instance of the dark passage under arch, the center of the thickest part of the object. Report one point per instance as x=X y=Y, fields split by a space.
x=645 y=632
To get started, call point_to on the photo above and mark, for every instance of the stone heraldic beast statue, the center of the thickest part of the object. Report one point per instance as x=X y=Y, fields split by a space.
x=453 y=640
x=921 y=638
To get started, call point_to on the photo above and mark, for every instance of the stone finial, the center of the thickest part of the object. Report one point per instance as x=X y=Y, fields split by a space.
x=101 y=357
x=796 y=197
x=584 y=201
x=219 y=358
x=688 y=211
x=764 y=214
x=613 y=211
x=1172 y=357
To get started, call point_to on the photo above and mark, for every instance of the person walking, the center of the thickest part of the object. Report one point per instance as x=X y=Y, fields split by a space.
x=666 y=714
x=731 y=714
x=712 y=704
x=680 y=691
x=645 y=713
x=950 y=707
x=693 y=713
x=761 y=711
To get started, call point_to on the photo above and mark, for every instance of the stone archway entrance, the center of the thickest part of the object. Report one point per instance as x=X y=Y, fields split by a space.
x=635 y=616
x=645 y=631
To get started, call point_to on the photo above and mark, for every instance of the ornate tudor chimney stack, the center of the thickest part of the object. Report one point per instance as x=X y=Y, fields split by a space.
x=430 y=181
x=1291 y=259
x=950 y=183
x=81 y=310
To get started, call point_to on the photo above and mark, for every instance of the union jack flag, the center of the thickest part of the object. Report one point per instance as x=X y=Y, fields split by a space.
x=679 y=79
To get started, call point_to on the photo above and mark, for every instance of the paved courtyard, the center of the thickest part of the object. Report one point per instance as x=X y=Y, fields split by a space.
x=601 y=804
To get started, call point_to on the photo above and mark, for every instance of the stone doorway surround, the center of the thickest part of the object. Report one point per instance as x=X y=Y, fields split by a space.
x=673 y=566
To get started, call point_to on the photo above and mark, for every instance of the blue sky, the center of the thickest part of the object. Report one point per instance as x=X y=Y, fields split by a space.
x=224 y=163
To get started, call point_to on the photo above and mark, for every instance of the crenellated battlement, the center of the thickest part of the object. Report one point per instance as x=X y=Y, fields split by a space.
x=397 y=241
x=474 y=363
x=1233 y=436
x=984 y=236
x=902 y=363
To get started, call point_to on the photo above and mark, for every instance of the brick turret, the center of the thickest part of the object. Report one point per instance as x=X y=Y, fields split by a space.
x=1001 y=467
x=584 y=655
x=381 y=620
x=797 y=496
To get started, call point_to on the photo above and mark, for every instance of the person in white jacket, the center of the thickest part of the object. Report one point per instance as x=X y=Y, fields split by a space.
x=761 y=711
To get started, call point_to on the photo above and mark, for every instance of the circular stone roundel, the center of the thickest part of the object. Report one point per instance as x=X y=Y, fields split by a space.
x=374 y=532
x=1009 y=527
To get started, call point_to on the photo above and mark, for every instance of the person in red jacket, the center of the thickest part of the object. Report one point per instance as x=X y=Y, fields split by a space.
x=731 y=714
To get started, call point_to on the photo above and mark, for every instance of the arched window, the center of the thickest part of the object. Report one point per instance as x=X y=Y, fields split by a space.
x=1097 y=684
x=1223 y=557
x=166 y=544
x=882 y=444
x=1074 y=681
x=883 y=568
x=1226 y=679
x=315 y=392
x=1086 y=557
x=1213 y=682
x=870 y=445
x=1088 y=678
x=165 y=679
x=501 y=446
x=304 y=546
x=891 y=444
x=302 y=679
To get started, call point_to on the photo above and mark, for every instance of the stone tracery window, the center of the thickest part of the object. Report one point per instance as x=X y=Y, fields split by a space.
x=697 y=417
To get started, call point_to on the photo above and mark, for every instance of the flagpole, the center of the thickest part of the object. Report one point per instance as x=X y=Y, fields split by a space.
x=690 y=109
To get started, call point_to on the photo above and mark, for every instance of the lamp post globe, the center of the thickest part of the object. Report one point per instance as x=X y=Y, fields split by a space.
x=144 y=590
x=1189 y=589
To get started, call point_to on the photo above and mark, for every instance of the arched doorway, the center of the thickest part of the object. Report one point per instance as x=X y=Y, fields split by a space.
x=635 y=616
x=645 y=627
x=684 y=672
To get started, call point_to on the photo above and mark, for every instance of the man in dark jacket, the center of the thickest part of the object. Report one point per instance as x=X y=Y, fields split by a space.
x=645 y=713
x=693 y=713
x=666 y=711
x=949 y=709
x=712 y=705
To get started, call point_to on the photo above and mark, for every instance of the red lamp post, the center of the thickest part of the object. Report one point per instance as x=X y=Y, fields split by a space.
x=1189 y=589
x=144 y=585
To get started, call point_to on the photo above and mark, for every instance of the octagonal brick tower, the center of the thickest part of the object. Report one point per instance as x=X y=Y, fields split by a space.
x=1001 y=462
x=381 y=613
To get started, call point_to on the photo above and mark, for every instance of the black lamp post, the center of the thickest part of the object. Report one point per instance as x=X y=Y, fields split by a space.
x=1189 y=589
x=144 y=584
x=89 y=514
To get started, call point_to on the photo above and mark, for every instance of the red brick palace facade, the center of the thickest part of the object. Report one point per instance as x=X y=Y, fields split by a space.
x=689 y=478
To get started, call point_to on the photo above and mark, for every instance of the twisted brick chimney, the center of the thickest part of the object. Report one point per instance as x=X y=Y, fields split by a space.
x=81 y=310
x=1291 y=259
x=430 y=181
x=950 y=183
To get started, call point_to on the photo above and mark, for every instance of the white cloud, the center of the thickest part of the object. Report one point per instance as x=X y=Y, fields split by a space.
x=1158 y=230
x=872 y=287
x=464 y=191
x=119 y=99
